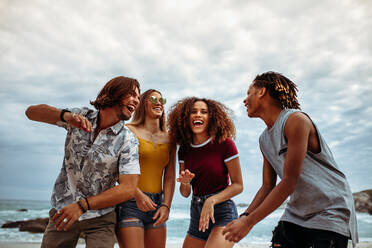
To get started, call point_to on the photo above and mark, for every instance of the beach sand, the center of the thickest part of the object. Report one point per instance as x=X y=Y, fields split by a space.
x=35 y=245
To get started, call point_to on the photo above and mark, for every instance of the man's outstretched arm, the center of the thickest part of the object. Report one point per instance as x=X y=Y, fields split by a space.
x=51 y=115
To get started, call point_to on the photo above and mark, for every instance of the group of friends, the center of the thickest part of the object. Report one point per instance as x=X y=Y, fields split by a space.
x=117 y=180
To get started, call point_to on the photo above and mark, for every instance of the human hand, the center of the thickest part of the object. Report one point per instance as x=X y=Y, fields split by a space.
x=185 y=177
x=161 y=215
x=237 y=229
x=206 y=214
x=78 y=121
x=144 y=203
x=65 y=217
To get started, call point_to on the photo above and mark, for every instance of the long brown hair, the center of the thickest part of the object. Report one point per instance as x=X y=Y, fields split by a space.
x=279 y=87
x=114 y=90
x=220 y=124
x=140 y=113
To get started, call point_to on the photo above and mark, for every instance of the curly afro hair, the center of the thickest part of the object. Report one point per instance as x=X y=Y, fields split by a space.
x=220 y=124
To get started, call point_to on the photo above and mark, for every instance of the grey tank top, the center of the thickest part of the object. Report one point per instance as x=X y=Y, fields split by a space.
x=322 y=198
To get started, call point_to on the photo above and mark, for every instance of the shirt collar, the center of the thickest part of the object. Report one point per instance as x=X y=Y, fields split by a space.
x=202 y=144
x=117 y=127
x=114 y=128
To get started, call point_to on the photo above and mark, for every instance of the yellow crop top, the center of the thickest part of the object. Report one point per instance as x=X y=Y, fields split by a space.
x=153 y=160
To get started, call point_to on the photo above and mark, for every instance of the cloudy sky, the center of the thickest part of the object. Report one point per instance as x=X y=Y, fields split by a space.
x=62 y=53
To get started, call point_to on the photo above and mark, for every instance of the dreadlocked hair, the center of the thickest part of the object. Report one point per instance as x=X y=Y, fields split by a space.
x=279 y=87
x=220 y=124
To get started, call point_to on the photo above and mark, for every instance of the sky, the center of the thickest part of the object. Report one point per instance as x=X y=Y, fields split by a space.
x=62 y=53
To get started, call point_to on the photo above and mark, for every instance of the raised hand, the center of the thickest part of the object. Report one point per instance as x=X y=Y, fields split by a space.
x=185 y=177
x=78 y=121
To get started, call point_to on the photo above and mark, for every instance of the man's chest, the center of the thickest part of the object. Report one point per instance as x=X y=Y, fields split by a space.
x=83 y=153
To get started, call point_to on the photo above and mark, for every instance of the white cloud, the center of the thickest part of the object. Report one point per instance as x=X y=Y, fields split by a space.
x=62 y=53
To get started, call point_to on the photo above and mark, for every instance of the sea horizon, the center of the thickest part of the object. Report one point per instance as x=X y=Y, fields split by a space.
x=177 y=224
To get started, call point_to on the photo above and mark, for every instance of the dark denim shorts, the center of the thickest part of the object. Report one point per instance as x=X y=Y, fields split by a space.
x=129 y=210
x=290 y=235
x=224 y=213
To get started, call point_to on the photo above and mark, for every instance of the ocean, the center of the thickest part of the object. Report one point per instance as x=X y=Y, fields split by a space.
x=176 y=225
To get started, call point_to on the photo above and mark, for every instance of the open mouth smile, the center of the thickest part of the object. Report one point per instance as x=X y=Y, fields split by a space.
x=131 y=108
x=198 y=123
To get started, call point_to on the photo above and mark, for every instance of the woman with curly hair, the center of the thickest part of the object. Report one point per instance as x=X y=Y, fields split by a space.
x=208 y=160
x=141 y=220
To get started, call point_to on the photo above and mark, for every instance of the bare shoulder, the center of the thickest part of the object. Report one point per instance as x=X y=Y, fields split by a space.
x=297 y=124
x=165 y=137
x=298 y=119
x=133 y=128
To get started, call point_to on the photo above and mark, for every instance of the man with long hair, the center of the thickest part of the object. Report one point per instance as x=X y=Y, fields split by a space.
x=99 y=151
x=320 y=211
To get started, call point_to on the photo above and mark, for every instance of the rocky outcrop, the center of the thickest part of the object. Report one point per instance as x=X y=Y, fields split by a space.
x=363 y=201
x=34 y=226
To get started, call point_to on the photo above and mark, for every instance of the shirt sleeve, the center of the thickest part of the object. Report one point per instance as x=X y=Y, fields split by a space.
x=231 y=151
x=129 y=159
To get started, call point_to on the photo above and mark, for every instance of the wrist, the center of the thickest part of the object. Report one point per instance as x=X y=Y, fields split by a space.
x=81 y=207
x=243 y=214
x=62 y=114
x=165 y=205
x=211 y=200
x=87 y=203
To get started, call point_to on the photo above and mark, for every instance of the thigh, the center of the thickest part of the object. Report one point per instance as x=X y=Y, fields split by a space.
x=326 y=239
x=128 y=215
x=191 y=242
x=193 y=231
x=224 y=213
x=288 y=235
x=129 y=237
x=59 y=239
x=155 y=237
x=100 y=231
x=216 y=239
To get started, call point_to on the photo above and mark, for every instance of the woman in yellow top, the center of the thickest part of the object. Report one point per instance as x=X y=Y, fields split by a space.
x=141 y=220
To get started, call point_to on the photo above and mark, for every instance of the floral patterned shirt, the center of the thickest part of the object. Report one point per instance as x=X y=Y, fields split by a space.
x=91 y=167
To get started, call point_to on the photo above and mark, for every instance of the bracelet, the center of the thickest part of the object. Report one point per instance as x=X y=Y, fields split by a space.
x=81 y=207
x=86 y=200
x=63 y=111
x=165 y=205
x=243 y=214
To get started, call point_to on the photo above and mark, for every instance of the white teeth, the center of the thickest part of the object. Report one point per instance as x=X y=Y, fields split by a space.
x=199 y=122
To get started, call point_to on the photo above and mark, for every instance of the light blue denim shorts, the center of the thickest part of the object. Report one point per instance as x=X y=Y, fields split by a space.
x=224 y=213
x=129 y=210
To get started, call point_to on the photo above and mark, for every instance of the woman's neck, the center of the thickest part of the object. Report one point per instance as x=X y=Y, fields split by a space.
x=199 y=138
x=151 y=125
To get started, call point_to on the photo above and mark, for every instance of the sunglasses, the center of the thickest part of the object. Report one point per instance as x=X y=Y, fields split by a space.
x=154 y=100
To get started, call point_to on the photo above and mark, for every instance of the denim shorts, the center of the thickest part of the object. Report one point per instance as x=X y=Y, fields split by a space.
x=129 y=210
x=224 y=213
x=290 y=235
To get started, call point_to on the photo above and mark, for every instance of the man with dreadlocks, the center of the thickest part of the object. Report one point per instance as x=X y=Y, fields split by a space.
x=320 y=211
